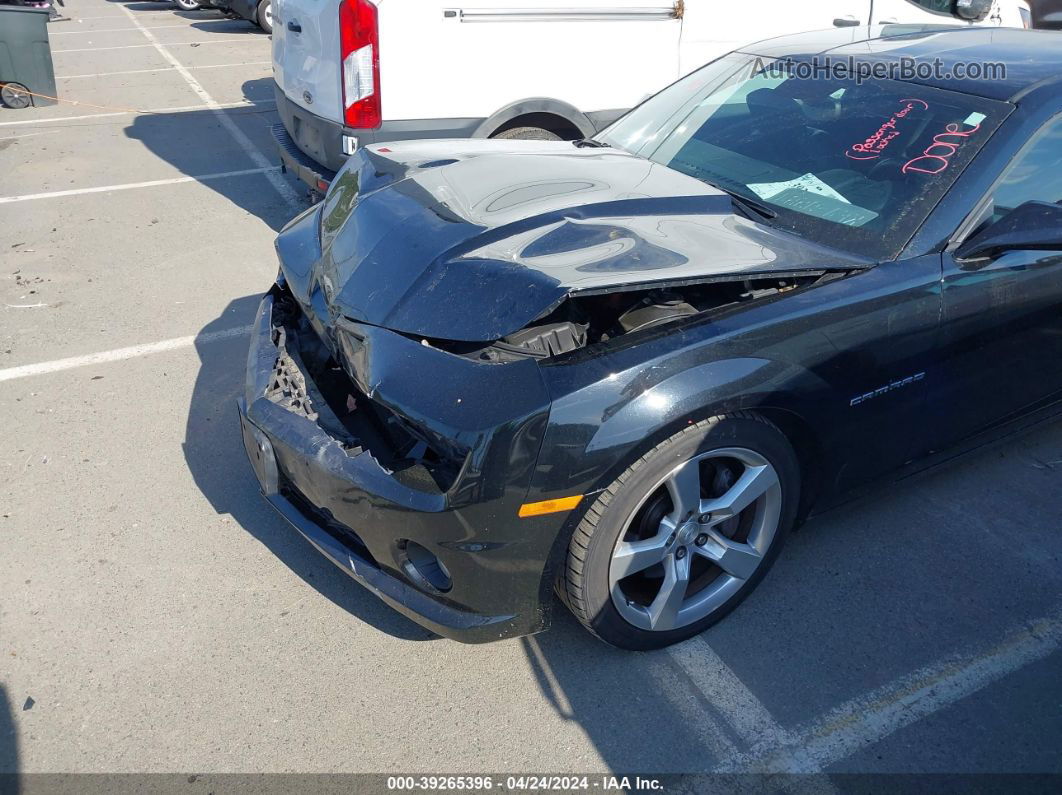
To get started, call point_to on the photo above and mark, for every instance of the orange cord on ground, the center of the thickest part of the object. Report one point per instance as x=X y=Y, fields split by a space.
x=22 y=90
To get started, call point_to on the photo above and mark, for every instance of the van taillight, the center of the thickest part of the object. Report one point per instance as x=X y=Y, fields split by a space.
x=359 y=49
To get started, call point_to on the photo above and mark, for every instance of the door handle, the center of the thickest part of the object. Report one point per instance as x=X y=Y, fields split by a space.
x=294 y=26
x=846 y=22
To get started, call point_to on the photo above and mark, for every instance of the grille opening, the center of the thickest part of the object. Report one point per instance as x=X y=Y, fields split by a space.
x=309 y=381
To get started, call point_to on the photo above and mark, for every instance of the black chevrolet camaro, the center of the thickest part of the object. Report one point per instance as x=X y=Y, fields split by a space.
x=622 y=369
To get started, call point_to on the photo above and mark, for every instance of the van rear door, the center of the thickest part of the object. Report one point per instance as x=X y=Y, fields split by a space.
x=306 y=55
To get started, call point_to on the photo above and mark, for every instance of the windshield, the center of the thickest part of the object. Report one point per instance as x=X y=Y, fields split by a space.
x=850 y=164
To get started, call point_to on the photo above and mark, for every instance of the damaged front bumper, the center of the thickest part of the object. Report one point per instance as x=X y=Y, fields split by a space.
x=367 y=521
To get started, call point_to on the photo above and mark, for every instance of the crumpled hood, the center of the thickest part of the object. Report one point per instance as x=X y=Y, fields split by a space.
x=473 y=240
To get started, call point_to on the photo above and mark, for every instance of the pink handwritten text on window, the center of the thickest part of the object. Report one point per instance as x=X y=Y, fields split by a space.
x=937 y=156
x=873 y=146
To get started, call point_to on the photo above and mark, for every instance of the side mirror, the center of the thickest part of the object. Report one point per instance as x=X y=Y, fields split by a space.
x=973 y=10
x=1033 y=226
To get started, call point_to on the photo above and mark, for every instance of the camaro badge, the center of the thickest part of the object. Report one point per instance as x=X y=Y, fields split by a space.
x=911 y=379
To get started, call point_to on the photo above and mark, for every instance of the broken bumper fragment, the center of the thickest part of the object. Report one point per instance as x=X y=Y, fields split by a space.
x=453 y=557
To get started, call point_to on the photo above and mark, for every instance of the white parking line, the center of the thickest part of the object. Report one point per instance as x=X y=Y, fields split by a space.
x=738 y=707
x=275 y=179
x=109 y=30
x=710 y=732
x=163 y=69
x=548 y=680
x=872 y=717
x=29 y=135
x=745 y=713
x=57 y=194
x=171 y=44
x=143 y=12
x=119 y=354
x=178 y=109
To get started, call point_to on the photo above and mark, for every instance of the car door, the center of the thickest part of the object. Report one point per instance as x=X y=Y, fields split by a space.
x=710 y=30
x=1003 y=315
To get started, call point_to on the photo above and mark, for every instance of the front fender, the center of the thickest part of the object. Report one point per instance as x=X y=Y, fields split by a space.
x=683 y=395
x=599 y=428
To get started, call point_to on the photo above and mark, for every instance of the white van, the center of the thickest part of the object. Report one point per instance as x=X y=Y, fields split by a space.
x=354 y=72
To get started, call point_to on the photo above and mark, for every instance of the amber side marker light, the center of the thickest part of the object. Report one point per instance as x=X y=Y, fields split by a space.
x=549 y=506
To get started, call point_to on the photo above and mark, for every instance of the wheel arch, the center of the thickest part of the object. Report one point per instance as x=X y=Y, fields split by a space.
x=786 y=408
x=807 y=445
x=778 y=409
x=565 y=114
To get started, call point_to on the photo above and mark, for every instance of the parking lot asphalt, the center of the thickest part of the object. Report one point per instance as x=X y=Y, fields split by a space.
x=157 y=616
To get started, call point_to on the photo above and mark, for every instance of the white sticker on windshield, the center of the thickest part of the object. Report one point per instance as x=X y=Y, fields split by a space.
x=808 y=183
x=974 y=119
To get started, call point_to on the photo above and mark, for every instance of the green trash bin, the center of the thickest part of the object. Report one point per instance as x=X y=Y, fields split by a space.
x=25 y=57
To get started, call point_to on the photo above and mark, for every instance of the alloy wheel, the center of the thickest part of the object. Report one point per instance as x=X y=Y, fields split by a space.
x=695 y=539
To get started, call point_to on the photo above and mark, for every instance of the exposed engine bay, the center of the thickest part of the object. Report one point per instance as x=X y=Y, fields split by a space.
x=582 y=321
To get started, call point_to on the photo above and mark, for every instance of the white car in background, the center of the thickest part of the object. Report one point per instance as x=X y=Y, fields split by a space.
x=355 y=72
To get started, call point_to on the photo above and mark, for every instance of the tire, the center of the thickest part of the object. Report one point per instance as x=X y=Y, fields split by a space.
x=527 y=134
x=187 y=5
x=15 y=96
x=265 y=15
x=724 y=554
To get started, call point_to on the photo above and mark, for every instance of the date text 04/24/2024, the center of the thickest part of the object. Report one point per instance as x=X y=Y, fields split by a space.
x=523 y=783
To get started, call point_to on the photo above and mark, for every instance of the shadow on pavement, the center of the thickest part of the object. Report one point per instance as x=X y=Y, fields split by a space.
x=9 y=779
x=197 y=144
x=211 y=14
x=638 y=709
x=226 y=25
x=949 y=561
x=213 y=450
